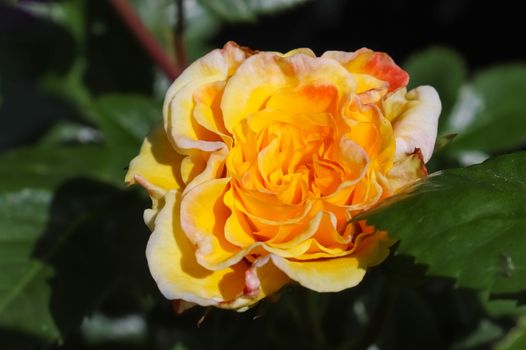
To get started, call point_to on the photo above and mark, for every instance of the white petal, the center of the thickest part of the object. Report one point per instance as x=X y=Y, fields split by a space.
x=417 y=126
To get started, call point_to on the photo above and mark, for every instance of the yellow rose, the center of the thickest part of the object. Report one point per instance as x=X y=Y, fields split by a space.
x=263 y=160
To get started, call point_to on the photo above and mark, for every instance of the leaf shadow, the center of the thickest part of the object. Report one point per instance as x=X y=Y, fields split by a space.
x=17 y=340
x=94 y=241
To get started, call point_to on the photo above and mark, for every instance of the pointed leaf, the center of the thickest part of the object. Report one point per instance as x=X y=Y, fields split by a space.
x=465 y=223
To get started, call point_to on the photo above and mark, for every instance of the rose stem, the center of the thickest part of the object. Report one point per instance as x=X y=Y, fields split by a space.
x=180 y=53
x=145 y=38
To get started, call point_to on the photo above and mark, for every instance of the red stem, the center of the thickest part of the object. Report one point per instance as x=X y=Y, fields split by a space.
x=180 y=53
x=145 y=38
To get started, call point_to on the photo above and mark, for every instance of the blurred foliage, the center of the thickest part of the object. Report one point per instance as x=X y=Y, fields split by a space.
x=77 y=96
x=489 y=116
x=443 y=68
x=246 y=10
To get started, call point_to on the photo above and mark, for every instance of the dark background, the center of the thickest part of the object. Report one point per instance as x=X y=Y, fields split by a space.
x=484 y=32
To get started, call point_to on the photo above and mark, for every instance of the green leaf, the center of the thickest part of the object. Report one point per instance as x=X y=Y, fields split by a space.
x=490 y=114
x=64 y=133
x=501 y=305
x=26 y=179
x=62 y=243
x=465 y=223
x=62 y=252
x=442 y=68
x=160 y=18
x=67 y=13
x=485 y=333
x=516 y=339
x=443 y=141
x=125 y=120
x=24 y=291
x=247 y=10
x=46 y=167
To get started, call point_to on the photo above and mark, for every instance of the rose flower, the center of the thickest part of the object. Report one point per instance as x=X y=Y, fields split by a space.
x=263 y=161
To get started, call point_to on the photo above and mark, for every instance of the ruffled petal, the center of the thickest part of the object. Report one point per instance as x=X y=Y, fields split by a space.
x=158 y=163
x=203 y=219
x=309 y=98
x=264 y=74
x=407 y=169
x=172 y=263
x=366 y=64
x=336 y=274
x=417 y=126
x=255 y=80
x=201 y=84
x=263 y=278
x=264 y=160
x=213 y=169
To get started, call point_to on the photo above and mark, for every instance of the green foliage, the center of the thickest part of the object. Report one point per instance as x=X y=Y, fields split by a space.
x=483 y=112
x=124 y=120
x=48 y=222
x=246 y=10
x=489 y=116
x=442 y=68
x=485 y=332
x=466 y=224
x=46 y=167
x=48 y=255
x=55 y=271
x=160 y=16
x=24 y=291
x=516 y=340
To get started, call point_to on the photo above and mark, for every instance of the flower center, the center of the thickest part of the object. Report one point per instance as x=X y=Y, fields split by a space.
x=295 y=156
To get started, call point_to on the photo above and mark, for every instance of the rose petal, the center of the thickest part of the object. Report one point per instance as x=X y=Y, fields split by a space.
x=279 y=152
x=334 y=275
x=417 y=126
x=157 y=162
x=262 y=75
x=213 y=169
x=301 y=50
x=182 y=127
x=310 y=98
x=371 y=64
x=173 y=265
x=207 y=111
x=203 y=218
x=237 y=230
x=204 y=76
x=264 y=278
x=407 y=169
x=255 y=80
